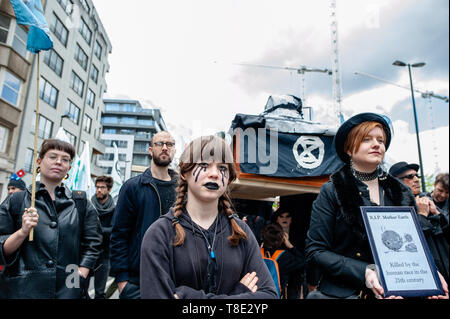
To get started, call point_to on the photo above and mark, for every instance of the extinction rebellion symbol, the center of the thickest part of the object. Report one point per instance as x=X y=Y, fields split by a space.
x=306 y=158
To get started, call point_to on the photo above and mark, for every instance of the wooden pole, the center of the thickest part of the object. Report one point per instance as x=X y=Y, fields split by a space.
x=36 y=128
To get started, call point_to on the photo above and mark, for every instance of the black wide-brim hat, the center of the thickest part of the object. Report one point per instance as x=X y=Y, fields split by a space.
x=346 y=127
x=400 y=167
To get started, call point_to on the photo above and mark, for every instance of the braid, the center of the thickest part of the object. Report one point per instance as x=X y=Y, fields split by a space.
x=236 y=231
x=178 y=210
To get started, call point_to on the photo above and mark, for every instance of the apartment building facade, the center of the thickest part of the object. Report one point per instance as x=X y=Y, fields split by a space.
x=15 y=69
x=131 y=127
x=71 y=83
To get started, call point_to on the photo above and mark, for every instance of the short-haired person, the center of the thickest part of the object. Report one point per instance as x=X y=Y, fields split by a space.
x=142 y=200
x=440 y=192
x=337 y=241
x=433 y=221
x=200 y=249
x=282 y=217
x=67 y=235
x=104 y=204
x=16 y=185
x=290 y=263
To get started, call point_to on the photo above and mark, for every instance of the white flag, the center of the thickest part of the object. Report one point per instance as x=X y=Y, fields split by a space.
x=80 y=173
x=115 y=173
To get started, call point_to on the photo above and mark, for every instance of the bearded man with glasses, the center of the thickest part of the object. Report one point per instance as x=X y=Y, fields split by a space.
x=142 y=200
x=433 y=221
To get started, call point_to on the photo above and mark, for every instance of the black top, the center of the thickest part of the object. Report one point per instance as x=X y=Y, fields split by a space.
x=166 y=193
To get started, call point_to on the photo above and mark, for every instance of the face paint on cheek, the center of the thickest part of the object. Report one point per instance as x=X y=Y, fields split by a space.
x=224 y=176
x=197 y=171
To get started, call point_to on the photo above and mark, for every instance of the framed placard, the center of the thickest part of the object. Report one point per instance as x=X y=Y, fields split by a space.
x=406 y=267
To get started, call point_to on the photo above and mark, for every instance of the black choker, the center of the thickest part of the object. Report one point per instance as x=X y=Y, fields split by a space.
x=364 y=177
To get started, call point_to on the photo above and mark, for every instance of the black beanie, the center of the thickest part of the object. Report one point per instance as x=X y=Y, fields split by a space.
x=18 y=183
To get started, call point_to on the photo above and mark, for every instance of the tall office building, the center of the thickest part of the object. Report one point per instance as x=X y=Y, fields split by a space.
x=71 y=81
x=131 y=127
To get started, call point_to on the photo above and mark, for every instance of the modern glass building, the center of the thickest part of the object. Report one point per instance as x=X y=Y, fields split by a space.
x=132 y=127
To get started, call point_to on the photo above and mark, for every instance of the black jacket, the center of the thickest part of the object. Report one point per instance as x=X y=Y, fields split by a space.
x=105 y=214
x=138 y=206
x=39 y=269
x=337 y=241
x=166 y=269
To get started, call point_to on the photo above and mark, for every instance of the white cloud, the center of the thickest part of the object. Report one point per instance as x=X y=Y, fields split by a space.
x=434 y=147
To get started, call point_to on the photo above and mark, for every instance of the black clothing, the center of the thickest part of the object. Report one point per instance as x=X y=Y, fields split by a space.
x=167 y=270
x=166 y=193
x=138 y=206
x=105 y=214
x=436 y=230
x=291 y=264
x=62 y=238
x=337 y=241
x=433 y=227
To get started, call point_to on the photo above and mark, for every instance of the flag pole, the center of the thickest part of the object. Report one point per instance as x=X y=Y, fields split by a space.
x=36 y=127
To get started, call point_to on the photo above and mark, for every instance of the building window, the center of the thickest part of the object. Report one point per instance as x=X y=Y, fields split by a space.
x=85 y=32
x=72 y=138
x=98 y=50
x=4 y=28
x=94 y=73
x=143 y=160
x=4 y=134
x=28 y=165
x=48 y=92
x=87 y=123
x=54 y=61
x=85 y=6
x=91 y=98
x=81 y=57
x=11 y=88
x=45 y=126
x=73 y=111
x=67 y=5
x=59 y=30
x=20 y=41
x=76 y=84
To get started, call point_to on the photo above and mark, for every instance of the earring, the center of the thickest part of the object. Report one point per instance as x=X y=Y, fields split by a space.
x=38 y=170
x=66 y=177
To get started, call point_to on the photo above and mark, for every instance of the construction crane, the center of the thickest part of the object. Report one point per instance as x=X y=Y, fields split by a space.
x=300 y=70
x=426 y=94
x=337 y=78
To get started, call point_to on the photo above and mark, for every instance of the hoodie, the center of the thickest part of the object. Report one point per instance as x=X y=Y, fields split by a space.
x=167 y=270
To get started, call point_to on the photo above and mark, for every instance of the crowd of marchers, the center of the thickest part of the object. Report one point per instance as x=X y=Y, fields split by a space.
x=175 y=234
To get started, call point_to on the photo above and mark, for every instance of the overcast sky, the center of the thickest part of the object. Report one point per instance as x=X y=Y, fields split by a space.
x=181 y=55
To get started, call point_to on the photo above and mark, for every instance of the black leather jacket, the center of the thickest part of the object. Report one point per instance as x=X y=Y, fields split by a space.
x=46 y=267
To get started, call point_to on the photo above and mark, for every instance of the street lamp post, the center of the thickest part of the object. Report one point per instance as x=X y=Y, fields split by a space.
x=63 y=116
x=415 y=65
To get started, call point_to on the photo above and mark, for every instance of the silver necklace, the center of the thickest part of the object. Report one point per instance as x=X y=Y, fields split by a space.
x=210 y=247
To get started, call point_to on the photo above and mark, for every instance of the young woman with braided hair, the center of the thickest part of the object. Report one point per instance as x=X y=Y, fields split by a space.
x=200 y=248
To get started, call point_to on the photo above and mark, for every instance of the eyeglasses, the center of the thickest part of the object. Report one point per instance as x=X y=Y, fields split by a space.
x=410 y=176
x=161 y=144
x=101 y=187
x=54 y=158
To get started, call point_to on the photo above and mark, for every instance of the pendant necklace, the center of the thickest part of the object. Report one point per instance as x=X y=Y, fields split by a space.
x=210 y=247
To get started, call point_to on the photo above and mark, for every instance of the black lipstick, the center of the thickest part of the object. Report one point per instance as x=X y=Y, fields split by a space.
x=212 y=186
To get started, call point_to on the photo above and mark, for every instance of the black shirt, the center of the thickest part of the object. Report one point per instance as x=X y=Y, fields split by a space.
x=166 y=190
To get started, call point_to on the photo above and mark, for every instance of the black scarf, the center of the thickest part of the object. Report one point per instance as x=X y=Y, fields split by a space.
x=347 y=193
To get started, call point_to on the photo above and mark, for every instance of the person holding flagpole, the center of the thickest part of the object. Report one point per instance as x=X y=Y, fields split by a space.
x=67 y=237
